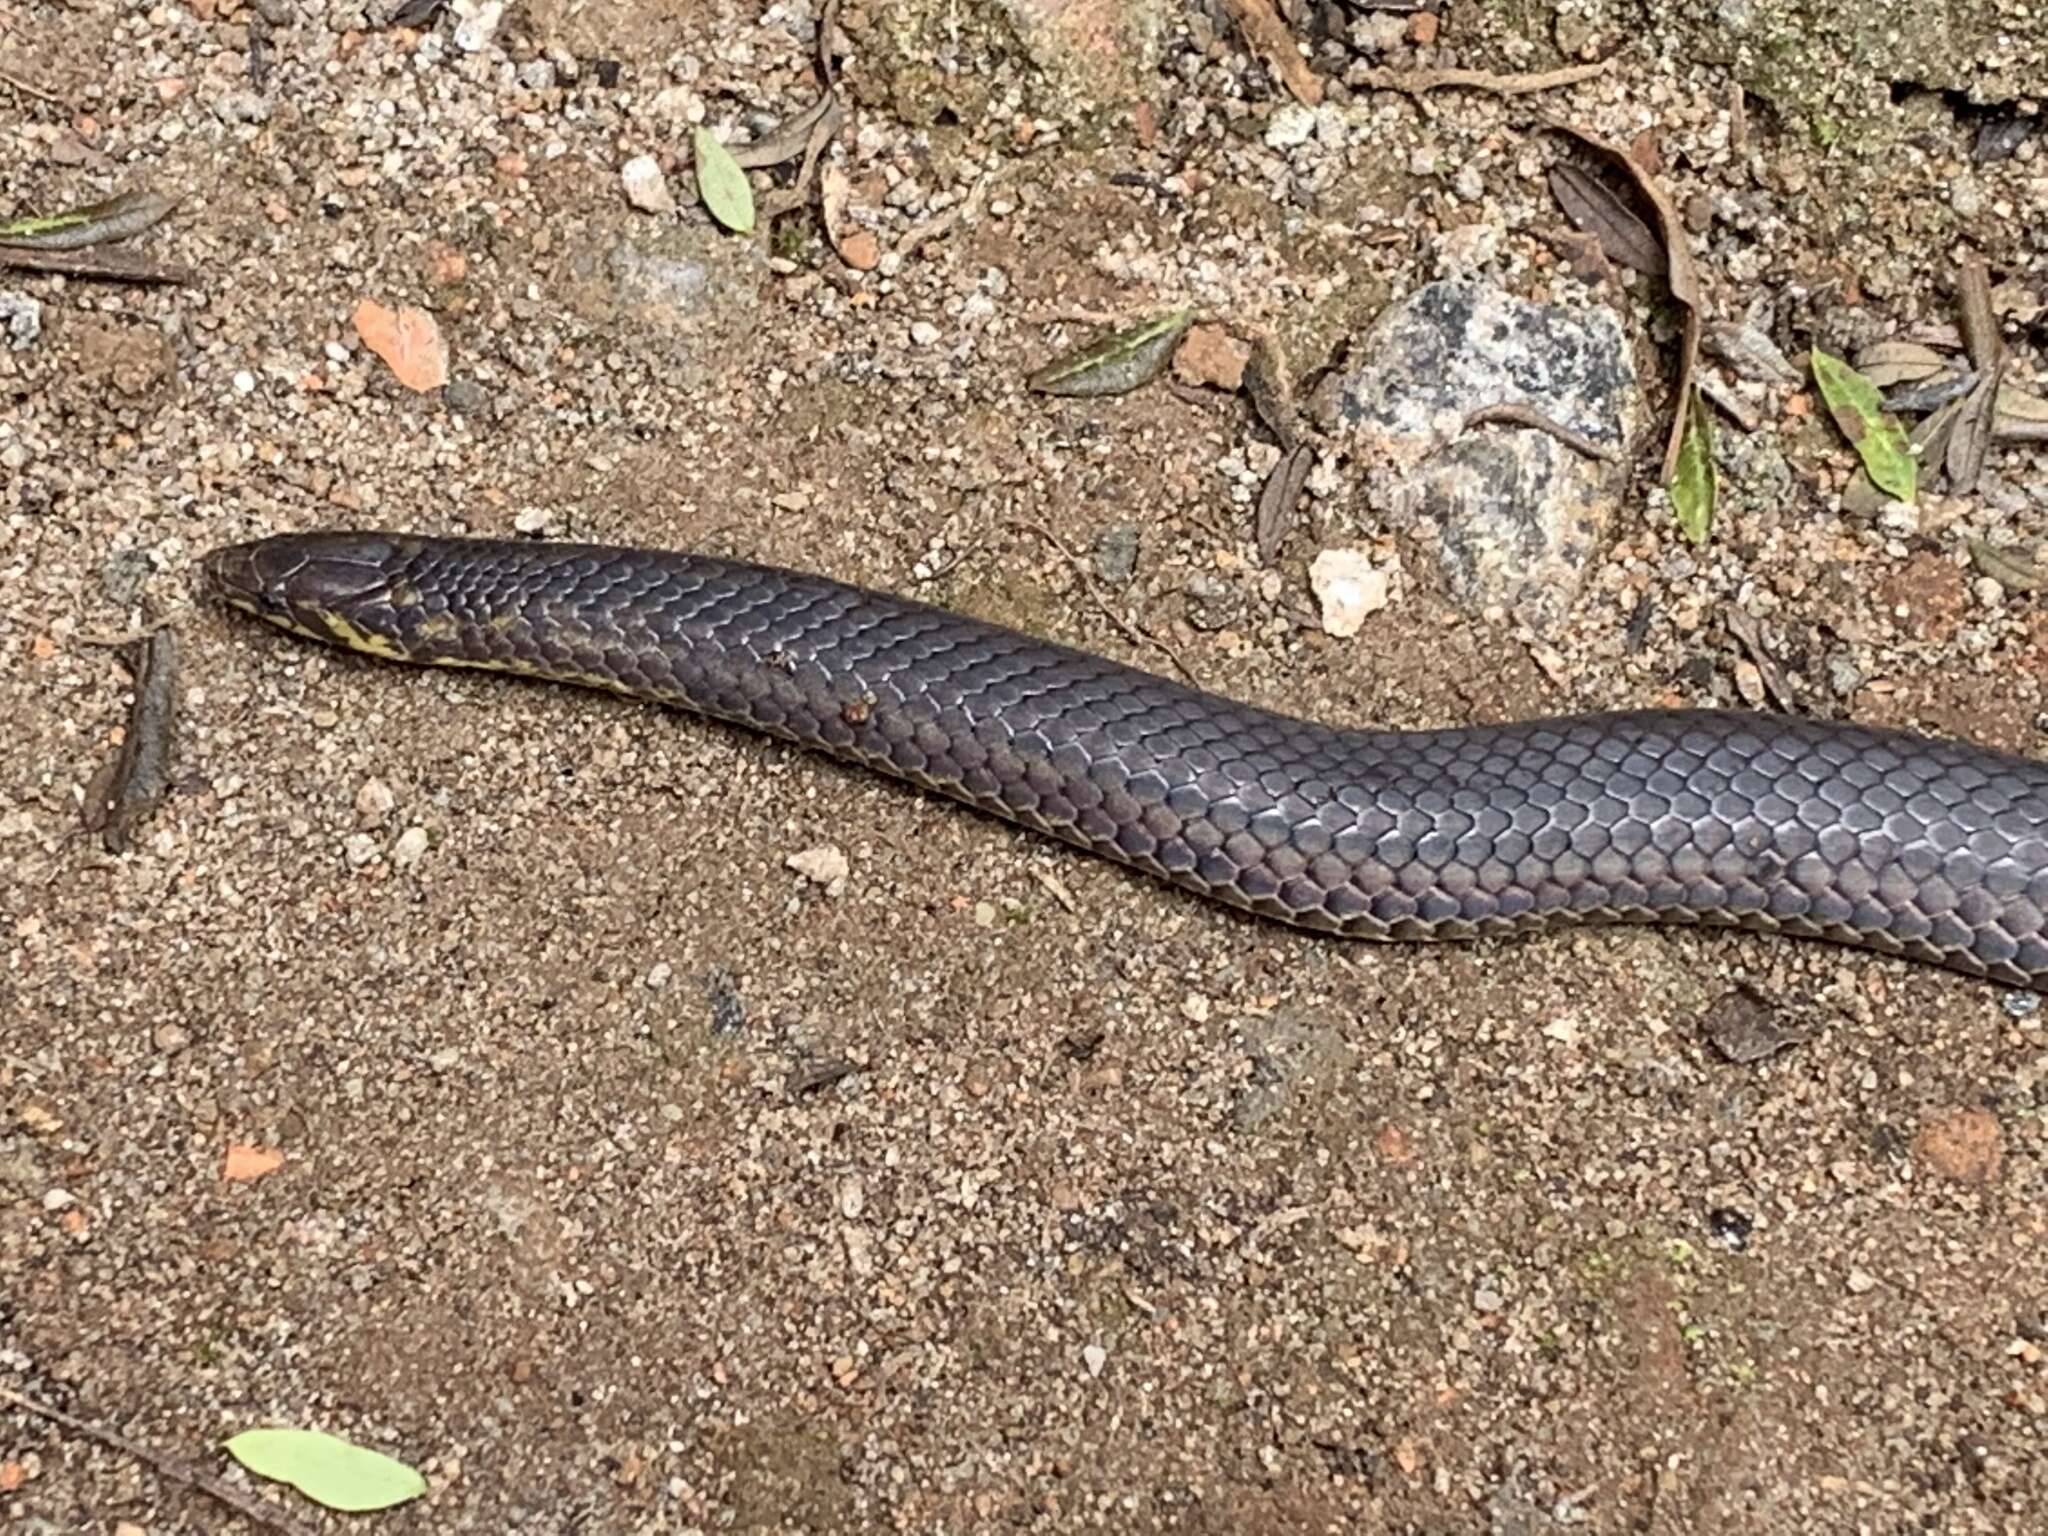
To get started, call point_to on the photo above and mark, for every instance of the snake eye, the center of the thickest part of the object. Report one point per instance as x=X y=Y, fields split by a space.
x=295 y=576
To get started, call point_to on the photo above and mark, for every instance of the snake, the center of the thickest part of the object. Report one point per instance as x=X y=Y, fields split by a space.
x=1902 y=844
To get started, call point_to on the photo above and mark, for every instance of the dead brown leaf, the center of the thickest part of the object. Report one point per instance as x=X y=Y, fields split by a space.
x=1680 y=276
x=1596 y=209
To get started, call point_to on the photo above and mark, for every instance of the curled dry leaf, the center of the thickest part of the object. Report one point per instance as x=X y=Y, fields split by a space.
x=1680 y=277
x=116 y=218
x=2007 y=567
x=407 y=339
x=1896 y=361
x=1116 y=363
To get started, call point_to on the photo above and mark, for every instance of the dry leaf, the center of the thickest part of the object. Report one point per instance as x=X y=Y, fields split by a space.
x=1595 y=208
x=407 y=339
x=1271 y=40
x=1679 y=276
x=246 y=1160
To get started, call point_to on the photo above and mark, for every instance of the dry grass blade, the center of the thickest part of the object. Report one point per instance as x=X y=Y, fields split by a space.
x=1265 y=384
x=109 y=266
x=787 y=139
x=1272 y=40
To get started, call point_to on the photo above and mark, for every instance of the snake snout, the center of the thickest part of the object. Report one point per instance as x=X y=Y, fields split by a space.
x=298 y=579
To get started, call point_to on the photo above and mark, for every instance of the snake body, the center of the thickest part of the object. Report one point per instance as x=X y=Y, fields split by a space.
x=1898 y=843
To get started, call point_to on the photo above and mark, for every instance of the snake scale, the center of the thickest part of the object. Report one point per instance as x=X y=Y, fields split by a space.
x=1897 y=843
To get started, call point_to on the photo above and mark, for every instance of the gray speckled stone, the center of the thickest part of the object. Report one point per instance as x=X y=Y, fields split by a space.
x=1515 y=516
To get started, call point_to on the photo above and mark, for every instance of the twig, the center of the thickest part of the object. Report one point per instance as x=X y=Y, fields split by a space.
x=819 y=1074
x=1135 y=633
x=1511 y=413
x=1418 y=82
x=111 y=267
x=30 y=88
x=246 y=1505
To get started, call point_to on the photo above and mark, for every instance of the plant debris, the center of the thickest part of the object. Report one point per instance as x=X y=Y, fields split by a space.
x=1683 y=282
x=327 y=1470
x=101 y=223
x=1273 y=41
x=1417 y=82
x=1513 y=413
x=2008 y=569
x=721 y=183
x=132 y=784
x=246 y=1505
x=1599 y=211
x=1278 y=499
x=1858 y=410
x=1117 y=363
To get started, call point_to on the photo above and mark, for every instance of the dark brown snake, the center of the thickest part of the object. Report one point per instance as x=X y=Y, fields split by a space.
x=1898 y=843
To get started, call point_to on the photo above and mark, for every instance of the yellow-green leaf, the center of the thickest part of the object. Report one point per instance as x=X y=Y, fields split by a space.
x=1694 y=486
x=722 y=184
x=1117 y=363
x=326 y=1470
x=1877 y=437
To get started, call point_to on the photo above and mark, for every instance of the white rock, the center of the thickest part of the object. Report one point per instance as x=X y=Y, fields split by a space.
x=646 y=188
x=852 y=1198
x=479 y=22
x=410 y=847
x=1292 y=124
x=824 y=865
x=359 y=849
x=1095 y=1357
x=923 y=332
x=1349 y=586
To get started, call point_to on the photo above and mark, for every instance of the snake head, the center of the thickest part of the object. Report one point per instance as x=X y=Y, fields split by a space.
x=323 y=585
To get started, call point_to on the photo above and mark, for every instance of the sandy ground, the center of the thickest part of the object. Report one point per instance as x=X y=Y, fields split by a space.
x=630 y=1181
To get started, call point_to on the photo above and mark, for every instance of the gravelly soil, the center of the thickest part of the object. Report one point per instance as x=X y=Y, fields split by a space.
x=1130 y=1213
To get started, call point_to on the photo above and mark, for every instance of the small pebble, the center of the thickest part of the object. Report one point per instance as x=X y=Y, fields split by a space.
x=410 y=847
x=171 y=1038
x=1486 y=1299
x=1861 y=1282
x=1349 y=587
x=1290 y=125
x=245 y=382
x=824 y=865
x=659 y=975
x=1095 y=1357
x=22 y=317
x=646 y=188
x=374 y=802
x=359 y=848
x=923 y=332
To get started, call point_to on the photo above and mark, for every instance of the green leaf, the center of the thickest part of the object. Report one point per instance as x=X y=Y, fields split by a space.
x=722 y=184
x=326 y=1470
x=1117 y=363
x=1694 y=487
x=1878 y=438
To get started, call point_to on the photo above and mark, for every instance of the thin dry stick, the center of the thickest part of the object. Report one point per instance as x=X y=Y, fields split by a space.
x=246 y=1505
x=30 y=88
x=1418 y=82
x=111 y=267
x=1136 y=634
x=1514 y=414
